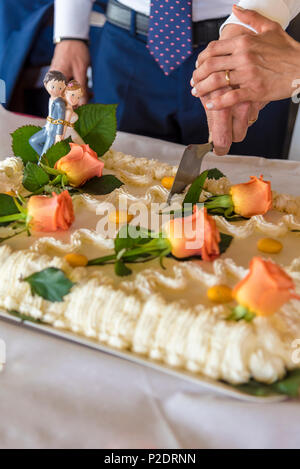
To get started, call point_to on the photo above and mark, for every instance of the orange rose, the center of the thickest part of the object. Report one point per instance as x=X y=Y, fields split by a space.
x=195 y=235
x=80 y=165
x=265 y=289
x=51 y=213
x=252 y=198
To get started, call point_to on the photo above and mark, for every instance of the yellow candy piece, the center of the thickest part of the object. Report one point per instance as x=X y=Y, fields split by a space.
x=269 y=246
x=220 y=294
x=120 y=217
x=167 y=182
x=76 y=260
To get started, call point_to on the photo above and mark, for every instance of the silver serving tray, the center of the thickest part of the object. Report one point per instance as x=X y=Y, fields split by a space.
x=210 y=384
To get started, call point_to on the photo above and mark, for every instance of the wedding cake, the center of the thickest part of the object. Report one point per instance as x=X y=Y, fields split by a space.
x=180 y=313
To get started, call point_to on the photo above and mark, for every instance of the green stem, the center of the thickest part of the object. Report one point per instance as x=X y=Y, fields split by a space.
x=219 y=201
x=21 y=199
x=156 y=247
x=57 y=180
x=52 y=171
x=44 y=160
x=141 y=261
x=10 y=218
x=102 y=260
x=141 y=251
x=19 y=206
x=39 y=192
x=64 y=180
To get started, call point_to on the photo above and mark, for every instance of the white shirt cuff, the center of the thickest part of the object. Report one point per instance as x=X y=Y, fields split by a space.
x=234 y=20
x=72 y=18
x=276 y=10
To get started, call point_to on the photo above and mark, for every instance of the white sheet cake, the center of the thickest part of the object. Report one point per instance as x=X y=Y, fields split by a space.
x=162 y=314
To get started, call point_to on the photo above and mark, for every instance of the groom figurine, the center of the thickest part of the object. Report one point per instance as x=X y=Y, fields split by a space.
x=55 y=83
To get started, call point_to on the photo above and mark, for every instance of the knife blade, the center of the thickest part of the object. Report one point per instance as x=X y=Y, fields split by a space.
x=189 y=167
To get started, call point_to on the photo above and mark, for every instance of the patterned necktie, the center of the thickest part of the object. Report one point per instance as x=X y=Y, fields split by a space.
x=170 y=33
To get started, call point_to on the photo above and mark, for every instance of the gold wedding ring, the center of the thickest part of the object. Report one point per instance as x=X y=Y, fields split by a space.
x=227 y=77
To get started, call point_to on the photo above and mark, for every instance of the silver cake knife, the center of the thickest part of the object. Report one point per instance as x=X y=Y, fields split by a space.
x=190 y=167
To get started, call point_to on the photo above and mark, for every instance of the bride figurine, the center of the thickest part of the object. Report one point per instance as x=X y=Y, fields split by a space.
x=72 y=96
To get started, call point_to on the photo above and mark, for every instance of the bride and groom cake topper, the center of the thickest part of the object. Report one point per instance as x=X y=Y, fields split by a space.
x=64 y=98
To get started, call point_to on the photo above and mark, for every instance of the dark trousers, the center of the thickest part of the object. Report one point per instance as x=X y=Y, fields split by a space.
x=162 y=107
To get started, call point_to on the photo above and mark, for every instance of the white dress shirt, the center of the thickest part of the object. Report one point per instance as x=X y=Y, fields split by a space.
x=72 y=17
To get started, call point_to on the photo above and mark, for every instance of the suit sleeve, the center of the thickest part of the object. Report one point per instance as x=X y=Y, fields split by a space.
x=61 y=114
x=281 y=11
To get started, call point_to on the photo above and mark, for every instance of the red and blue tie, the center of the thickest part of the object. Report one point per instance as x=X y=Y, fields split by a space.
x=170 y=33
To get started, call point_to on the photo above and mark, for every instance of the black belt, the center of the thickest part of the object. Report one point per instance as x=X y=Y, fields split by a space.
x=121 y=16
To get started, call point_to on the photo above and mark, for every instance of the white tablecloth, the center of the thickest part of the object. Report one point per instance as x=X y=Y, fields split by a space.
x=54 y=394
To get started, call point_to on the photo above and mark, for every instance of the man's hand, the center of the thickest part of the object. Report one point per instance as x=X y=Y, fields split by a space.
x=230 y=125
x=72 y=58
x=263 y=67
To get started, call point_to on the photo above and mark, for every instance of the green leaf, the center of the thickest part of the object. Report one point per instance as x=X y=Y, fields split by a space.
x=288 y=386
x=254 y=388
x=130 y=237
x=51 y=284
x=102 y=186
x=194 y=192
x=225 y=243
x=121 y=270
x=7 y=207
x=97 y=126
x=26 y=317
x=20 y=143
x=57 y=151
x=215 y=173
x=34 y=177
